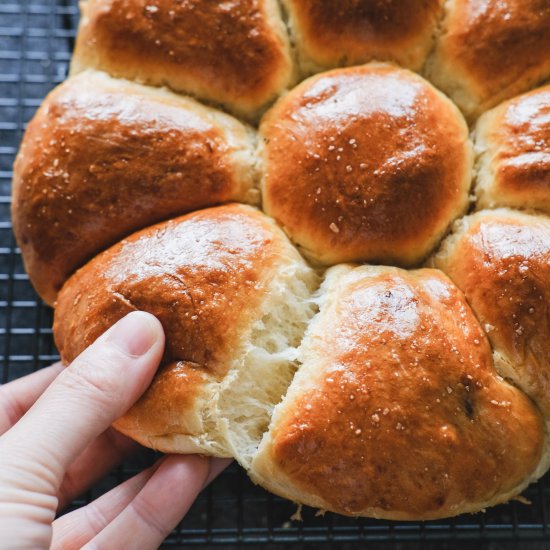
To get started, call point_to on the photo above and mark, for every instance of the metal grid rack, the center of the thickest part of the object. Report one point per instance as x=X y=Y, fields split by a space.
x=36 y=39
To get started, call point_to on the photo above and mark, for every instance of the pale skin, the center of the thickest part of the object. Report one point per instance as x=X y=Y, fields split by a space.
x=56 y=441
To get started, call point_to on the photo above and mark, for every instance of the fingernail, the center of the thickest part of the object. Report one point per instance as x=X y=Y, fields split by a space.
x=134 y=334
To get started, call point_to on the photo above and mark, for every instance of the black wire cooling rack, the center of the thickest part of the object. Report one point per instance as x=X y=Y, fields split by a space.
x=36 y=39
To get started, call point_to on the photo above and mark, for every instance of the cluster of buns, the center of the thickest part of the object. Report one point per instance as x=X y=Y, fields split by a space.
x=412 y=384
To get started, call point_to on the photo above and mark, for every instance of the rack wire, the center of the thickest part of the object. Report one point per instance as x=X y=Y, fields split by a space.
x=36 y=39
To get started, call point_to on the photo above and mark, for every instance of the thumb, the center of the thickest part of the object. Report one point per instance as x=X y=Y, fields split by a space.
x=98 y=387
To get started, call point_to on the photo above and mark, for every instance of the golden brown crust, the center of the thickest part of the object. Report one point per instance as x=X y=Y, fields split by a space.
x=103 y=158
x=201 y=275
x=204 y=276
x=396 y=409
x=351 y=32
x=369 y=163
x=501 y=261
x=233 y=53
x=513 y=141
x=490 y=51
x=166 y=409
x=400 y=413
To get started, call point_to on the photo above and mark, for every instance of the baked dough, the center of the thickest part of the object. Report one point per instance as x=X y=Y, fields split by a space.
x=365 y=390
x=489 y=51
x=330 y=34
x=233 y=296
x=369 y=163
x=104 y=157
x=236 y=54
x=512 y=143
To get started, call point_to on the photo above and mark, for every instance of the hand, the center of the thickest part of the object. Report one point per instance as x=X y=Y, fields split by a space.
x=56 y=442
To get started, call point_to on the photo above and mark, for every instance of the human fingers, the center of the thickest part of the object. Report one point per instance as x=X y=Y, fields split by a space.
x=17 y=397
x=75 y=529
x=157 y=508
x=82 y=402
x=81 y=526
x=106 y=452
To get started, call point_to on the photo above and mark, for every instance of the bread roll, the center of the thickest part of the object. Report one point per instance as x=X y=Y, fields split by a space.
x=328 y=34
x=512 y=142
x=233 y=297
x=235 y=54
x=501 y=261
x=396 y=411
x=368 y=163
x=104 y=157
x=490 y=51
x=384 y=393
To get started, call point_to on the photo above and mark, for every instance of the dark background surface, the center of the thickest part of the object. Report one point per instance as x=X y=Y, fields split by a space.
x=36 y=38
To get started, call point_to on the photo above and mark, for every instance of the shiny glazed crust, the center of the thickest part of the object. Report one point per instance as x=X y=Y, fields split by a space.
x=368 y=163
x=104 y=157
x=205 y=276
x=490 y=51
x=500 y=259
x=370 y=426
x=183 y=260
x=231 y=53
x=512 y=142
x=386 y=393
x=350 y=32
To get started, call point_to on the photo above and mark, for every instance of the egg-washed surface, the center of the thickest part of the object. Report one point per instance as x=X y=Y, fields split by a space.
x=513 y=145
x=501 y=261
x=213 y=278
x=181 y=262
x=226 y=367
x=232 y=53
x=397 y=411
x=104 y=157
x=368 y=163
x=489 y=51
x=350 y=32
